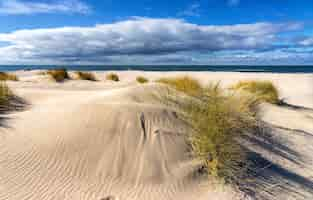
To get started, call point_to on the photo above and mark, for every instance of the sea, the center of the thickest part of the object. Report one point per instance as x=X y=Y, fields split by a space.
x=217 y=68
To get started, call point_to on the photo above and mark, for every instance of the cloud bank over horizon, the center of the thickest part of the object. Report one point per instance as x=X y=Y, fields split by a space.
x=158 y=41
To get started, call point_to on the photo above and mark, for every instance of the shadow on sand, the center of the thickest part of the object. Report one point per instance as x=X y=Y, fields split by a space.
x=13 y=104
x=267 y=177
x=284 y=104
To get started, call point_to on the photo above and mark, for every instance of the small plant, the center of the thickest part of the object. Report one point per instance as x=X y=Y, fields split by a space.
x=217 y=120
x=9 y=101
x=86 y=76
x=58 y=75
x=5 y=93
x=184 y=84
x=41 y=73
x=8 y=77
x=112 y=77
x=264 y=91
x=141 y=79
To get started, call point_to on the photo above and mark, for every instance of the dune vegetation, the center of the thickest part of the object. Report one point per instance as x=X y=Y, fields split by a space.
x=218 y=120
x=8 y=77
x=112 y=77
x=141 y=79
x=5 y=94
x=263 y=91
x=59 y=75
x=85 y=76
x=184 y=84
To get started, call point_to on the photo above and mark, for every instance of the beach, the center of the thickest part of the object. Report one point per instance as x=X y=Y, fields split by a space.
x=93 y=140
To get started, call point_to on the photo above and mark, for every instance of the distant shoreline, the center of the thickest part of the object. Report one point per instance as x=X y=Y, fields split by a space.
x=172 y=68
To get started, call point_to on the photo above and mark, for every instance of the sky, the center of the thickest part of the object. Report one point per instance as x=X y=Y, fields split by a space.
x=212 y=32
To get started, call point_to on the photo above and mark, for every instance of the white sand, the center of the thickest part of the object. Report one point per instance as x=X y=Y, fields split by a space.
x=89 y=140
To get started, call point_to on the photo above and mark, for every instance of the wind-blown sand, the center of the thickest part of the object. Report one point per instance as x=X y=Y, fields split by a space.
x=91 y=140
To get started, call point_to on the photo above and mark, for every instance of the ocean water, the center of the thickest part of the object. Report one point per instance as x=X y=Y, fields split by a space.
x=228 y=68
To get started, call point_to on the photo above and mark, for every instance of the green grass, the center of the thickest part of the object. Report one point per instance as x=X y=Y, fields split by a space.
x=8 y=77
x=263 y=91
x=112 y=77
x=59 y=75
x=141 y=79
x=217 y=120
x=184 y=84
x=85 y=76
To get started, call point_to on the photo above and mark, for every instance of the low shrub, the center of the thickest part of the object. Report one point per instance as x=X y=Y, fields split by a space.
x=112 y=77
x=217 y=121
x=85 y=76
x=8 y=77
x=264 y=91
x=184 y=84
x=141 y=79
x=58 y=75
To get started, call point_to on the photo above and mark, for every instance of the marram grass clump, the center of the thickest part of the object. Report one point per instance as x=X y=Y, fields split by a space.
x=263 y=91
x=184 y=84
x=59 y=75
x=5 y=94
x=8 y=77
x=112 y=77
x=9 y=101
x=217 y=120
x=85 y=76
x=141 y=79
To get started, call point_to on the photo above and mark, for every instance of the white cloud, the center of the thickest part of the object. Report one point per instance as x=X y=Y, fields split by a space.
x=19 y=7
x=192 y=11
x=307 y=41
x=135 y=38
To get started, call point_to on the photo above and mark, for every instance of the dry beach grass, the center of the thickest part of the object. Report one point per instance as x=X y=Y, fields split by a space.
x=141 y=79
x=185 y=84
x=59 y=75
x=264 y=91
x=4 y=76
x=85 y=76
x=112 y=77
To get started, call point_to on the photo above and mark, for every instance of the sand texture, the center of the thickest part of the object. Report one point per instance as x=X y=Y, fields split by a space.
x=87 y=140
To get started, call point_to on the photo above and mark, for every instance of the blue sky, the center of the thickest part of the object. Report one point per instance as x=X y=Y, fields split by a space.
x=156 y=32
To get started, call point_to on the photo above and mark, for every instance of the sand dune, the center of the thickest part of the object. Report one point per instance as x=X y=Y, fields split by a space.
x=83 y=140
x=92 y=145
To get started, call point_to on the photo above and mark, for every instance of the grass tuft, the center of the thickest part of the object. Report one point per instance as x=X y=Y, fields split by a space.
x=5 y=94
x=112 y=77
x=8 y=77
x=141 y=79
x=263 y=91
x=85 y=76
x=184 y=84
x=9 y=101
x=59 y=75
x=217 y=120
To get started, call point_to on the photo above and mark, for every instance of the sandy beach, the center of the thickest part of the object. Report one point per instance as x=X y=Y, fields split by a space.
x=87 y=140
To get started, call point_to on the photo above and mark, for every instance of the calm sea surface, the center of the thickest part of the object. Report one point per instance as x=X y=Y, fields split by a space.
x=245 y=68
